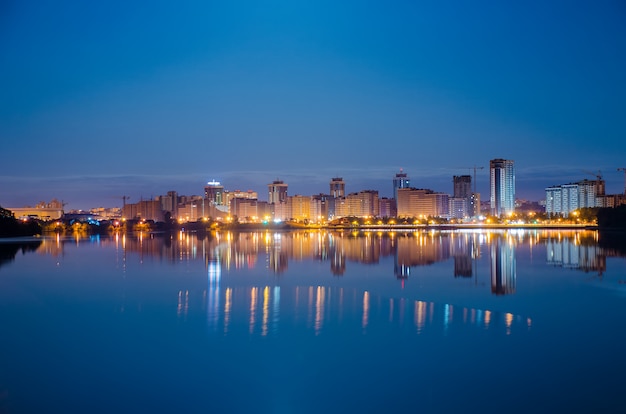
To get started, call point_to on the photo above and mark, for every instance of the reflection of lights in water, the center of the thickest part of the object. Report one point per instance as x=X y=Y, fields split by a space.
x=310 y=306
x=227 y=306
x=420 y=315
x=319 y=309
x=366 y=309
x=183 y=303
x=276 y=307
x=508 y=319
x=266 y=310
x=253 y=299
x=214 y=272
x=374 y=313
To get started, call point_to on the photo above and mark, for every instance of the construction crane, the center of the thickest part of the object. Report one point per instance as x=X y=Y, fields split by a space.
x=598 y=174
x=476 y=168
x=624 y=170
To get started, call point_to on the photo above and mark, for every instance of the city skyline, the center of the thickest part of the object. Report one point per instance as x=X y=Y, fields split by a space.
x=102 y=101
x=400 y=177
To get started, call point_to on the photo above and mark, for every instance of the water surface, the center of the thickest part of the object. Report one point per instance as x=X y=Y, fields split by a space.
x=309 y=322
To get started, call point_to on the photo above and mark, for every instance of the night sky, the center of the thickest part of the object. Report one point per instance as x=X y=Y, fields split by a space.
x=100 y=99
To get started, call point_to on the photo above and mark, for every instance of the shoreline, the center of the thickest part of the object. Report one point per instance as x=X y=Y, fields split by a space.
x=393 y=227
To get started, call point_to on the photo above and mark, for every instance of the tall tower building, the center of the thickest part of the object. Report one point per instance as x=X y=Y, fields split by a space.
x=462 y=186
x=337 y=187
x=502 y=183
x=277 y=192
x=401 y=180
x=214 y=193
x=462 y=201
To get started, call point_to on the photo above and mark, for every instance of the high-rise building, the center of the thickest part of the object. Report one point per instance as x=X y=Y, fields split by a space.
x=214 y=193
x=502 y=183
x=462 y=201
x=401 y=180
x=337 y=187
x=462 y=186
x=563 y=199
x=277 y=192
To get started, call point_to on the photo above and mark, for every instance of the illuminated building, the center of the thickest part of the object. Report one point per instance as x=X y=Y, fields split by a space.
x=169 y=203
x=502 y=183
x=246 y=209
x=563 y=199
x=361 y=204
x=401 y=180
x=461 y=201
x=281 y=211
x=277 y=192
x=277 y=199
x=145 y=209
x=191 y=208
x=214 y=193
x=229 y=195
x=387 y=207
x=300 y=207
x=320 y=207
x=476 y=204
x=337 y=187
x=414 y=202
x=43 y=211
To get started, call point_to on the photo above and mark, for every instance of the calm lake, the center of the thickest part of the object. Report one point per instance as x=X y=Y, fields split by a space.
x=314 y=322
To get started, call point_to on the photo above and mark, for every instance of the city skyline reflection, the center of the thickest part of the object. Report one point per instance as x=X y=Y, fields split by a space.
x=276 y=251
x=263 y=307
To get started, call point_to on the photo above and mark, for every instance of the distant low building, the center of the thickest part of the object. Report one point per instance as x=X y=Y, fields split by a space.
x=42 y=211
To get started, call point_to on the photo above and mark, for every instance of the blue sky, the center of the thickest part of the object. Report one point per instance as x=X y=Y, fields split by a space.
x=104 y=99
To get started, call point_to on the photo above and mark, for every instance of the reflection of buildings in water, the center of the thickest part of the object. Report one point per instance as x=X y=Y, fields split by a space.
x=261 y=310
x=361 y=248
x=419 y=249
x=338 y=262
x=277 y=259
x=503 y=266
x=410 y=249
x=568 y=252
x=464 y=249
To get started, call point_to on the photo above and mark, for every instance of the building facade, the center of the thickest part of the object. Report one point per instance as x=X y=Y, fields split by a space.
x=502 y=184
x=401 y=180
x=461 y=203
x=214 y=193
x=337 y=187
x=277 y=192
x=422 y=203
x=566 y=198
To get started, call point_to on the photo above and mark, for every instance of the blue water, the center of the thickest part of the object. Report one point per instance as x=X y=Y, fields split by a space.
x=310 y=322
